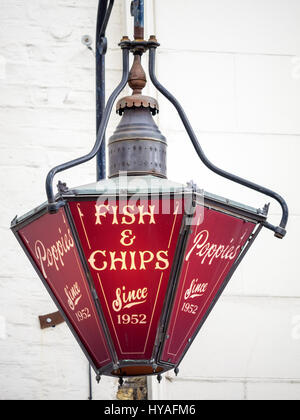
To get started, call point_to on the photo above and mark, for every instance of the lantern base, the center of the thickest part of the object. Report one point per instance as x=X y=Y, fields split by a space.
x=128 y=371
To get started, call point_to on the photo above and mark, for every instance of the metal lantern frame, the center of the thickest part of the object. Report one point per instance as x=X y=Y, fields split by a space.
x=155 y=366
x=141 y=46
x=61 y=202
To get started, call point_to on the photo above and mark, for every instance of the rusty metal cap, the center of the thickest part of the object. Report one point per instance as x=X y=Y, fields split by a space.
x=137 y=101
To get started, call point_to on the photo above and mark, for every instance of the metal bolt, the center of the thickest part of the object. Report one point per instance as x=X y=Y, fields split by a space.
x=125 y=38
x=87 y=40
x=153 y=38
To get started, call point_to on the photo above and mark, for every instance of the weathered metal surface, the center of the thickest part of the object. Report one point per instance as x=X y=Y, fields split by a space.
x=137 y=77
x=138 y=101
x=137 y=81
x=51 y=320
x=137 y=10
x=137 y=146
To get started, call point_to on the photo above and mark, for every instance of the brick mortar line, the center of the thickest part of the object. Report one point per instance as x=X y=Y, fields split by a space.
x=241 y=379
x=220 y=52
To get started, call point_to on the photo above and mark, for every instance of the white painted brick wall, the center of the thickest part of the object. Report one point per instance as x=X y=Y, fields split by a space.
x=47 y=116
x=235 y=67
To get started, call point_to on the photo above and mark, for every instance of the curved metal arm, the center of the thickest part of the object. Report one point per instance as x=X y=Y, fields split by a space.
x=49 y=181
x=103 y=16
x=279 y=230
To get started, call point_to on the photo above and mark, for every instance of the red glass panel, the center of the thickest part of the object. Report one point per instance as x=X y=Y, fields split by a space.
x=52 y=247
x=212 y=249
x=130 y=248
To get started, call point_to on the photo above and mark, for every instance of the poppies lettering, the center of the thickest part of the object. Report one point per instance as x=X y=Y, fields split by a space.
x=53 y=255
x=209 y=251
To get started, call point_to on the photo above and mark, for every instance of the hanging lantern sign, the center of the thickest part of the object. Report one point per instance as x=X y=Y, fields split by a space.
x=136 y=263
x=136 y=272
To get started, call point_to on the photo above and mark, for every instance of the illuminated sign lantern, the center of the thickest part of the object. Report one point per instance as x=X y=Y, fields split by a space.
x=135 y=270
x=135 y=263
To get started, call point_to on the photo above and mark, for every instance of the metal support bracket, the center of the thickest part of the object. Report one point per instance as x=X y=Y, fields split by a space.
x=100 y=136
x=279 y=230
x=102 y=46
x=139 y=45
x=51 y=320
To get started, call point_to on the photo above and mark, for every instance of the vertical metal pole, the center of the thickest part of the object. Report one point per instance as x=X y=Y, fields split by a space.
x=100 y=105
x=137 y=10
x=100 y=85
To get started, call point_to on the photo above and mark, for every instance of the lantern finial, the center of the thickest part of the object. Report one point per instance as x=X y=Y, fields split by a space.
x=137 y=77
x=137 y=80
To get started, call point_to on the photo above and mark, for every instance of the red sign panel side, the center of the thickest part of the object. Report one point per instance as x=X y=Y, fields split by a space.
x=52 y=247
x=213 y=247
x=130 y=249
